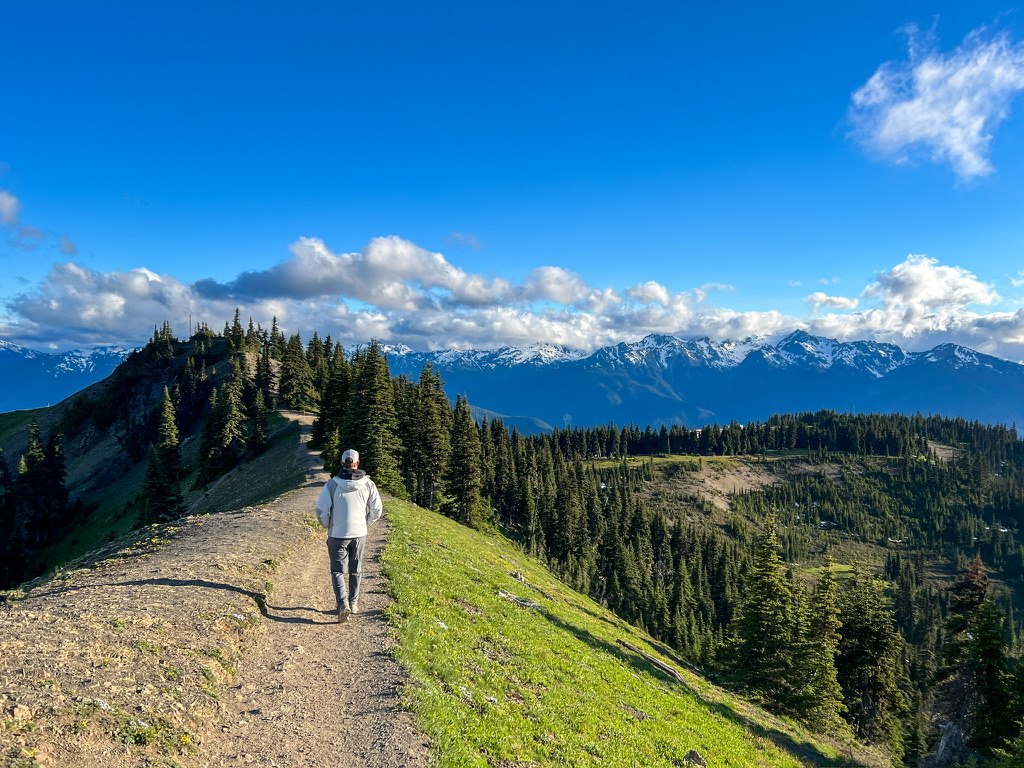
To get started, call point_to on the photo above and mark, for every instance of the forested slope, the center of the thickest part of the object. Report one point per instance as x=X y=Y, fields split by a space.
x=878 y=561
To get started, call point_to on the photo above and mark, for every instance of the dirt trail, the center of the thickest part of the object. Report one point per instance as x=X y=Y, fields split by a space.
x=111 y=667
x=317 y=693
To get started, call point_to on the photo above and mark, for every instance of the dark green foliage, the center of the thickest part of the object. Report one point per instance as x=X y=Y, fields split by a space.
x=161 y=494
x=223 y=438
x=370 y=424
x=428 y=440
x=334 y=403
x=34 y=504
x=870 y=666
x=297 y=388
x=464 y=474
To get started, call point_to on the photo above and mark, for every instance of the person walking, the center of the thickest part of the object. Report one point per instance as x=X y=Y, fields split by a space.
x=348 y=504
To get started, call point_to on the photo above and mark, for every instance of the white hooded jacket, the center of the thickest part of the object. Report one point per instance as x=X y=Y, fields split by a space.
x=348 y=504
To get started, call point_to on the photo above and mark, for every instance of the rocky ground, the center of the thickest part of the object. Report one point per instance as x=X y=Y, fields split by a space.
x=210 y=643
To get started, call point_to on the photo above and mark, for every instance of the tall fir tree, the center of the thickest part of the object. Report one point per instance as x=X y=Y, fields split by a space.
x=333 y=401
x=371 y=422
x=429 y=447
x=161 y=494
x=870 y=666
x=296 y=387
x=761 y=659
x=463 y=475
x=819 y=701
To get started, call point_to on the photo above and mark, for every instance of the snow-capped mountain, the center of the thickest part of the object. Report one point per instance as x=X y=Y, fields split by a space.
x=667 y=379
x=32 y=379
x=534 y=355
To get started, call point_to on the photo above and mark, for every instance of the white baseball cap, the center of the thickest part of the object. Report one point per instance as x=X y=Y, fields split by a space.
x=350 y=454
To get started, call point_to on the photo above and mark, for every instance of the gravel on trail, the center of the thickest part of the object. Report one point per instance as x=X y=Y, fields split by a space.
x=213 y=643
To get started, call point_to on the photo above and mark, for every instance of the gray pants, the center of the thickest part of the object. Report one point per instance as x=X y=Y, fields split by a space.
x=346 y=567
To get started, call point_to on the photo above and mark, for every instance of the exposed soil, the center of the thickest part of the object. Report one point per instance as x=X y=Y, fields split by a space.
x=208 y=644
x=717 y=481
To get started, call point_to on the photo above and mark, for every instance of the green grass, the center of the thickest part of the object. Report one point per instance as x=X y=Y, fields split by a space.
x=14 y=422
x=496 y=684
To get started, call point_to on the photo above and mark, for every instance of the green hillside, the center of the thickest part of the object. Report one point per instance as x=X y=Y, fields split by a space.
x=547 y=682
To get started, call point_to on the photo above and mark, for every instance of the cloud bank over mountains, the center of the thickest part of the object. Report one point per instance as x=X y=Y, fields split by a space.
x=398 y=292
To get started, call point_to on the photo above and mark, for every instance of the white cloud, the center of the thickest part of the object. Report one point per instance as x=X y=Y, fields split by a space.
x=561 y=286
x=920 y=285
x=944 y=105
x=650 y=292
x=9 y=208
x=819 y=299
x=397 y=292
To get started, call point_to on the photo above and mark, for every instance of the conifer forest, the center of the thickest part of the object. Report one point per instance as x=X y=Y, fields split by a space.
x=873 y=589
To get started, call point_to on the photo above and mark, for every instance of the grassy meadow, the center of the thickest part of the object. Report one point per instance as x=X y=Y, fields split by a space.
x=546 y=682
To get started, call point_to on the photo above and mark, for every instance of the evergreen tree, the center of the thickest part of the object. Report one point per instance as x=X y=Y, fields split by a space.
x=12 y=540
x=370 y=423
x=334 y=400
x=259 y=431
x=820 y=698
x=463 y=475
x=277 y=341
x=870 y=666
x=296 y=387
x=235 y=335
x=765 y=631
x=162 y=499
x=994 y=718
x=429 y=441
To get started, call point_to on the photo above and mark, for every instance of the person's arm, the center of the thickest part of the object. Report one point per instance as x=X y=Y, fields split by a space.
x=324 y=503
x=374 y=506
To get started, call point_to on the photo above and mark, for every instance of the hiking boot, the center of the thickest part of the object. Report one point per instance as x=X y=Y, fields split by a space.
x=354 y=606
x=343 y=613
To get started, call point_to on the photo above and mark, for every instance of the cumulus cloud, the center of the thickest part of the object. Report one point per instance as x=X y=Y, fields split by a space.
x=390 y=273
x=945 y=106
x=921 y=285
x=397 y=292
x=9 y=208
x=649 y=293
x=819 y=299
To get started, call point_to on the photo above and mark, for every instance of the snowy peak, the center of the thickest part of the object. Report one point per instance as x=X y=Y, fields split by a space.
x=533 y=355
x=11 y=352
x=801 y=348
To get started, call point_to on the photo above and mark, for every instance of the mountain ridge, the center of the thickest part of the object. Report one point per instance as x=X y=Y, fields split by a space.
x=658 y=379
x=668 y=379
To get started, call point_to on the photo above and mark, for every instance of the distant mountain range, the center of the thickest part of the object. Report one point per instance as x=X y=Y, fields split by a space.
x=666 y=379
x=32 y=379
x=659 y=379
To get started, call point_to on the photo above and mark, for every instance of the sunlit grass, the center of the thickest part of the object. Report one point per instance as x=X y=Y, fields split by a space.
x=499 y=684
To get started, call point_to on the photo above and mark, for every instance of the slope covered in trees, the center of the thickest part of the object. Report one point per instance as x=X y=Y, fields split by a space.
x=841 y=594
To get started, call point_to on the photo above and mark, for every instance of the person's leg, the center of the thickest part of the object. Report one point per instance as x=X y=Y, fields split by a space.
x=355 y=565
x=338 y=551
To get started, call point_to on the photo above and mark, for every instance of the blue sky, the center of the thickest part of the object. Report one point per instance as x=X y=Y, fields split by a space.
x=481 y=174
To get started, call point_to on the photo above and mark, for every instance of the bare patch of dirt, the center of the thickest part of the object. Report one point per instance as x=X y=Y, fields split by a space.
x=943 y=451
x=208 y=644
x=717 y=481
